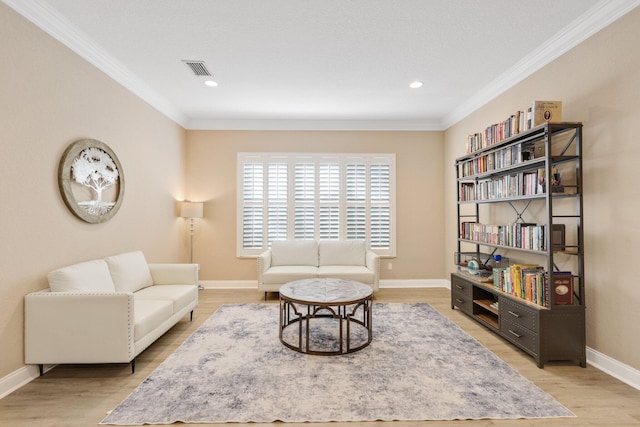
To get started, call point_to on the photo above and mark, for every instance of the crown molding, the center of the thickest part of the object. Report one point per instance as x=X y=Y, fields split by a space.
x=595 y=19
x=46 y=18
x=310 y=125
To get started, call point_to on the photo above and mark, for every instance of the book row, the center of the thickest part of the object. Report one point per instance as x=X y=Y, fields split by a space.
x=516 y=185
x=497 y=132
x=520 y=121
x=530 y=282
x=517 y=235
x=505 y=157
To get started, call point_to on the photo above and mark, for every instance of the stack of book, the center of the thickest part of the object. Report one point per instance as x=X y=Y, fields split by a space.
x=520 y=121
x=518 y=235
x=530 y=282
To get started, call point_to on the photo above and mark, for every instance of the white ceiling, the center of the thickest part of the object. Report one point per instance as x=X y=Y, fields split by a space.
x=320 y=64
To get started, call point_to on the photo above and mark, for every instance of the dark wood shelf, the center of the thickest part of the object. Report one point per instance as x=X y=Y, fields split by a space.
x=490 y=320
x=486 y=304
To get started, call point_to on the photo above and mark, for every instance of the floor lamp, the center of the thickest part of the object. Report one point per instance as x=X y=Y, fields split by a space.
x=191 y=210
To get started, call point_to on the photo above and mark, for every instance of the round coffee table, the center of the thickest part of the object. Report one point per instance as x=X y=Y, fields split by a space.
x=340 y=304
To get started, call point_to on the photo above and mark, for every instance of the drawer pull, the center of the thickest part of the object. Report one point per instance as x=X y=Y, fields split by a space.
x=459 y=301
x=459 y=287
x=514 y=314
x=515 y=334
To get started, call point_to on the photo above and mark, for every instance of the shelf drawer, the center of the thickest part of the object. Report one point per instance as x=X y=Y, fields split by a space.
x=518 y=314
x=462 y=301
x=461 y=286
x=518 y=335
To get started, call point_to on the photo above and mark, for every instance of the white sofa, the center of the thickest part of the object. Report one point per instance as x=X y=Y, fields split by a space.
x=106 y=310
x=291 y=260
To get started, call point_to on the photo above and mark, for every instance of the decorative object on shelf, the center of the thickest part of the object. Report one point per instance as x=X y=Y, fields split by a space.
x=191 y=210
x=474 y=267
x=91 y=180
x=562 y=287
x=547 y=111
x=556 y=181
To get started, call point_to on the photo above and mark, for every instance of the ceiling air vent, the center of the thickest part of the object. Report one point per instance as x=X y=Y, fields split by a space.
x=198 y=68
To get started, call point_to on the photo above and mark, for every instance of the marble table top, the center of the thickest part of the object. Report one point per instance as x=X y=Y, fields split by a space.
x=325 y=291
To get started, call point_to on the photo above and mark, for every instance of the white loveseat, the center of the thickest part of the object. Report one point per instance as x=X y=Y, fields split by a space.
x=291 y=260
x=106 y=310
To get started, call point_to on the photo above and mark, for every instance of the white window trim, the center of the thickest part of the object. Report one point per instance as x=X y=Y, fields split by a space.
x=291 y=159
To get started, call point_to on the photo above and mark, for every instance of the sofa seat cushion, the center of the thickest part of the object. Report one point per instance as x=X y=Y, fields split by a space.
x=90 y=276
x=342 y=252
x=289 y=273
x=179 y=295
x=130 y=271
x=347 y=272
x=294 y=252
x=149 y=314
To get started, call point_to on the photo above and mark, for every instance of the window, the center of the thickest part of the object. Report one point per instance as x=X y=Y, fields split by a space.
x=315 y=196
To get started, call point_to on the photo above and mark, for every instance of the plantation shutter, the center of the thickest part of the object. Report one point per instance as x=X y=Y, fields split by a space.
x=304 y=201
x=252 y=213
x=278 y=179
x=380 y=212
x=315 y=196
x=356 y=226
x=329 y=205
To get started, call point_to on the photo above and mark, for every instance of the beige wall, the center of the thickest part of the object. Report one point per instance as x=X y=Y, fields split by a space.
x=212 y=178
x=599 y=84
x=49 y=98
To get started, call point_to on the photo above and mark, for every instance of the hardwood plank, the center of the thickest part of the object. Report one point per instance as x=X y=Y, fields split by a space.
x=81 y=395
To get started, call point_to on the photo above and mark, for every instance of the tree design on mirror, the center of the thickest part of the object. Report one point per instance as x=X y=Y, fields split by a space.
x=91 y=180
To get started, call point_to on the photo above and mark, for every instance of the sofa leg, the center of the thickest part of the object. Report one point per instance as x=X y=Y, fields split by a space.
x=41 y=368
x=133 y=366
x=265 y=296
x=191 y=316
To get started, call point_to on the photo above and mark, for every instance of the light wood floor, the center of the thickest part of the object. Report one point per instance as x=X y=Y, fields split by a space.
x=80 y=395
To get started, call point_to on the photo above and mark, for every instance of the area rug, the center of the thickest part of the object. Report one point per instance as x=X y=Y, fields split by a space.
x=419 y=366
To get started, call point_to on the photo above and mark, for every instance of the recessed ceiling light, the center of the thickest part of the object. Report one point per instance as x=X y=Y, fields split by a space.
x=211 y=83
x=415 y=85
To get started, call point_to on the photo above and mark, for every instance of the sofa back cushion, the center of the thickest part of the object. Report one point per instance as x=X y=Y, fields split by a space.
x=90 y=276
x=342 y=252
x=294 y=252
x=129 y=271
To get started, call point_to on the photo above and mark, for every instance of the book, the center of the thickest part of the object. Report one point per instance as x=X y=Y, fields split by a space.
x=562 y=288
x=531 y=278
x=518 y=287
x=546 y=111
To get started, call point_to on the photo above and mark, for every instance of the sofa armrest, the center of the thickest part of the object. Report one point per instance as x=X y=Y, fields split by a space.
x=74 y=327
x=174 y=274
x=372 y=261
x=264 y=263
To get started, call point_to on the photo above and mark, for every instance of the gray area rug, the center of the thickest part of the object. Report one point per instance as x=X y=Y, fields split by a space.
x=420 y=366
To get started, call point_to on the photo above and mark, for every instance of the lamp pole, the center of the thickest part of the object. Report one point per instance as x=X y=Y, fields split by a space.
x=191 y=229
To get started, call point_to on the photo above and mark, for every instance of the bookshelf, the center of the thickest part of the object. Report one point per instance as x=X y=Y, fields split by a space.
x=519 y=197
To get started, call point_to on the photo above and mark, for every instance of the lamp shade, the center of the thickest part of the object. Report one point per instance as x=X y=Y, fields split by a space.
x=191 y=209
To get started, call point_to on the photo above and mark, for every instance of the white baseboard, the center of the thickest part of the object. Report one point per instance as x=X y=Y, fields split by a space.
x=17 y=379
x=415 y=283
x=613 y=367
x=252 y=284
x=229 y=284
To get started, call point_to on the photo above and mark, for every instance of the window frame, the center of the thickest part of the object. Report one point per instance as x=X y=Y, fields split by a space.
x=319 y=204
